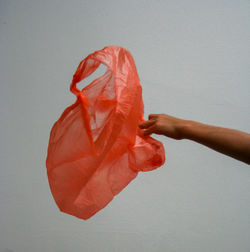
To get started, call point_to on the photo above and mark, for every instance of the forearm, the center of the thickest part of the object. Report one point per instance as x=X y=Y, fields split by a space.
x=230 y=142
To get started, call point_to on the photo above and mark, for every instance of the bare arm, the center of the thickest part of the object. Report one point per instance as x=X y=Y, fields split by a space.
x=233 y=143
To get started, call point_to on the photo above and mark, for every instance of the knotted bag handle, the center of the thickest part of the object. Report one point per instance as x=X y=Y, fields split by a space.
x=85 y=68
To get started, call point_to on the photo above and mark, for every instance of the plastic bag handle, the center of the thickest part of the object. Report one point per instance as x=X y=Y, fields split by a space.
x=85 y=68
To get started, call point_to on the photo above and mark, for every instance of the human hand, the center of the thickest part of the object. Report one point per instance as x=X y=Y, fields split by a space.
x=163 y=124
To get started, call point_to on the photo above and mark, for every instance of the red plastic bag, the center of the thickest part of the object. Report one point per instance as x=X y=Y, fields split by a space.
x=96 y=147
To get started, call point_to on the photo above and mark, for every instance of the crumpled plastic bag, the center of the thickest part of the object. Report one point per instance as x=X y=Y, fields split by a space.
x=96 y=147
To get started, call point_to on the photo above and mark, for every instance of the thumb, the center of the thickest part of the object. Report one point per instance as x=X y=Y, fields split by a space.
x=149 y=131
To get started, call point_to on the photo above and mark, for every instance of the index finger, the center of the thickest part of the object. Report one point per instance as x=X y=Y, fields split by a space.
x=152 y=116
x=146 y=124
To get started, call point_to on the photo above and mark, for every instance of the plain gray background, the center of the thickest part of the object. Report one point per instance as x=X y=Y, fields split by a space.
x=193 y=62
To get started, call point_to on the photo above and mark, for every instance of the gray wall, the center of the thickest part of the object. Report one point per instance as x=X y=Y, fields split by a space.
x=193 y=62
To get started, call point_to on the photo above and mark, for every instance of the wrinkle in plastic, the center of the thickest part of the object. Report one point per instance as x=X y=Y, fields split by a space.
x=96 y=147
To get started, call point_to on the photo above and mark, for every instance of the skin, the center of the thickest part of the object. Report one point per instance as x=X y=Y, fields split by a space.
x=233 y=143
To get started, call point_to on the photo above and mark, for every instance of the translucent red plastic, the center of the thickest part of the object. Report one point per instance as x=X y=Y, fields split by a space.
x=96 y=147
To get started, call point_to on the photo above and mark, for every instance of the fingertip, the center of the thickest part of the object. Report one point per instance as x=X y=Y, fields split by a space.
x=151 y=116
x=141 y=125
